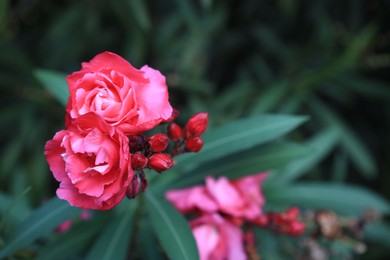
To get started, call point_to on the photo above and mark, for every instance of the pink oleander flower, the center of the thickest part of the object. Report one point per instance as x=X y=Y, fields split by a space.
x=240 y=198
x=132 y=100
x=91 y=160
x=217 y=238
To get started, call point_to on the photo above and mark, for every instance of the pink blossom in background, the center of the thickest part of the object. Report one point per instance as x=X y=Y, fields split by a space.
x=192 y=199
x=91 y=160
x=241 y=198
x=217 y=238
x=132 y=100
x=64 y=226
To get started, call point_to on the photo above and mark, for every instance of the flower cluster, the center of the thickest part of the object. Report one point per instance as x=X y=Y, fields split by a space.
x=222 y=208
x=100 y=156
x=282 y=222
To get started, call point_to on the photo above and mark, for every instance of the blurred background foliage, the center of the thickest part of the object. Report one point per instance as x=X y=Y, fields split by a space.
x=326 y=59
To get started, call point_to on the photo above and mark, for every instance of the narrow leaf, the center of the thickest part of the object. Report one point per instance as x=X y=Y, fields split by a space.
x=39 y=223
x=115 y=239
x=345 y=199
x=320 y=145
x=267 y=157
x=240 y=135
x=378 y=233
x=270 y=98
x=358 y=153
x=55 y=83
x=171 y=228
x=66 y=245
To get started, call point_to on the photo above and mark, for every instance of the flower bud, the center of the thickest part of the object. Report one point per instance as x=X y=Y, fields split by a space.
x=134 y=188
x=160 y=162
x=296 y=228
x=292 y=213
x=196 y=125
x=138 y=161
x=194 y=144
x=175 y=132
x=262 y=220
x=137 y=143
x=144 y=183
x=158 y=142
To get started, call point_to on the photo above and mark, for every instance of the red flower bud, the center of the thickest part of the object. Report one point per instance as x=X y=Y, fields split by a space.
x=292 y=213
x=134 y=188
x=144 y=183
x=175 y=132
x=196 y=125
x=160 y=162
x=138 y=161
x=262 y=220
x=137 y=143
x=194 y=144
x=158 y=142
x=296 y=228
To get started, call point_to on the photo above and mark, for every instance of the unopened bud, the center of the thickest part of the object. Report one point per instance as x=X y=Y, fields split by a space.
x=296 y=228
x=194 y=144
x=138 y=161
x=292 y=213
x=134 y=188
x=160 y=162
x=262 y=220
x=144 y=183
x=196 y=125
x=158 y=142
x=175 y=132
x=137 y=142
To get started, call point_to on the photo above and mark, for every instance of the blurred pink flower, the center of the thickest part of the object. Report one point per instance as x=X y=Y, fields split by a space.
x=64 y=226
x=241 y=198
x=217 y=238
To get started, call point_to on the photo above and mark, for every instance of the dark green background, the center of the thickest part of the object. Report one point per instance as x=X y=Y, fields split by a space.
x=327 y=59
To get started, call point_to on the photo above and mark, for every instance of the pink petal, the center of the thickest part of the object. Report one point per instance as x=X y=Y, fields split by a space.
x=195 y=198
x=54 y=155
x=206 y=237
x=225 y=194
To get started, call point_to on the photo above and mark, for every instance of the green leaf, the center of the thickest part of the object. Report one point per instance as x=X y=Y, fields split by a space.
x=358 y=153
x=365 y=87
x=171 y=228
x=379 y=233
x=139 y=12
x=66 y=245
x=266 y=157
x=270 y=98
x=240 y=135
x=115 y=239
x=345 y=199
x=148 y=241
x=13 y=209
x=39 y=223
x=320 y=145
x=55 y=83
